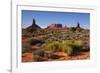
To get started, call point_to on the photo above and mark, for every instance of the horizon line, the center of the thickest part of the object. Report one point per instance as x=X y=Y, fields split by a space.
x=55 y=23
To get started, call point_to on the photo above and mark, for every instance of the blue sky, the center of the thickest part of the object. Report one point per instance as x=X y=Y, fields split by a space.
x=45 y=18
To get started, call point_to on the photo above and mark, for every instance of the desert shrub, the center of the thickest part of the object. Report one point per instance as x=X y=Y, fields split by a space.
x=39 y=53
x=78 y=42
x=76 y=49
x=26 y=48
x=26 y=35
x=70 y=47
x=77 y=46
x=73 y=29
x=35 y=41
x=59 y=46
x=55 y=46
x=67 y=48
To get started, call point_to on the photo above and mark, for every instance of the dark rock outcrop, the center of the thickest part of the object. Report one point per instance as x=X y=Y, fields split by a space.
x=33 y=27
x=78 y=25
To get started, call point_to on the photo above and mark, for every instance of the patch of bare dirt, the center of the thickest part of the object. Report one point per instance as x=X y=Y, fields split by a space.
x=27 y=57
x=81 y=56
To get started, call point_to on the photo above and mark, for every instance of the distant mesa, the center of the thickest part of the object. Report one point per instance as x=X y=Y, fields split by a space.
x=33 y=27
x=55 y=26
x=60 y=26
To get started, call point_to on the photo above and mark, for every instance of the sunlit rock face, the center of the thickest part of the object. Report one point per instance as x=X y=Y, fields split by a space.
x=55 y=26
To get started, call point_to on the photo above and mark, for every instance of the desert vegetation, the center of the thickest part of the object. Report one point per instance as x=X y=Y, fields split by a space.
x=55 y=44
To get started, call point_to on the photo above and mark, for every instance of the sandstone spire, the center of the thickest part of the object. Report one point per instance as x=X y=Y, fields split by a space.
x=78 y=25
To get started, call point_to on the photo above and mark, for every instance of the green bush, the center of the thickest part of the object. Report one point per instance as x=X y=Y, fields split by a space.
x=76 y=46
x=67 y=48
x=35 y=41
x=58 y=46
x=73 y=29
x=76 y=49
x=55 y=46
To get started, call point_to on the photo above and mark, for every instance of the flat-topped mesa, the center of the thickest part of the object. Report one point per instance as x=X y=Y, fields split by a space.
x=55 y=26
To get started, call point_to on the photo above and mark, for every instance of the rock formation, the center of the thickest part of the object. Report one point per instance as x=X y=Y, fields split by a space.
x=55 y=26
x=33 y=27
x=78 y=25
